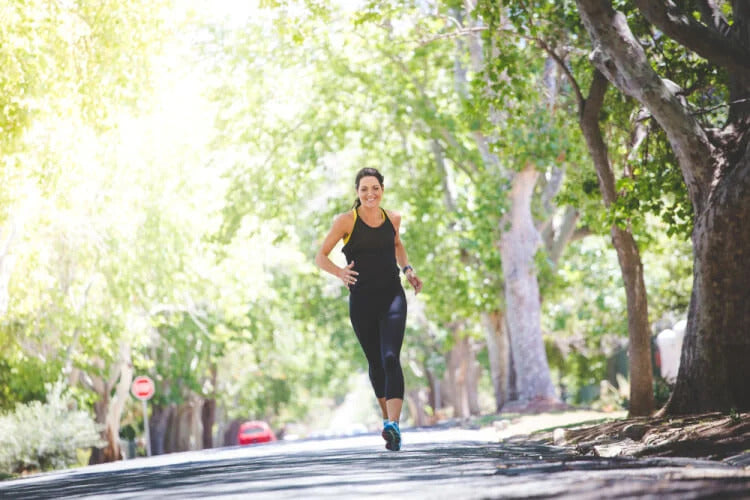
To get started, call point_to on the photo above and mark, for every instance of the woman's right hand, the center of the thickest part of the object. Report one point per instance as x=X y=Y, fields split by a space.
x=348 y=275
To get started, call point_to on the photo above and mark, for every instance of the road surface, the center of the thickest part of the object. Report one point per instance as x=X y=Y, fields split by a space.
x=434 y=464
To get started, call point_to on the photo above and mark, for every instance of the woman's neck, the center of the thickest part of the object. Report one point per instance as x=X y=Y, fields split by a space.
x=371 y=215
x=372 y=211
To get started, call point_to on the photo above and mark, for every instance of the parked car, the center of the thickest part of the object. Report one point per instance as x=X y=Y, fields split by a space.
x=255 y=431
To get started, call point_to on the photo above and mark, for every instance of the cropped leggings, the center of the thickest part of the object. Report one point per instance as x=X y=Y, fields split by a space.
x=379 y=320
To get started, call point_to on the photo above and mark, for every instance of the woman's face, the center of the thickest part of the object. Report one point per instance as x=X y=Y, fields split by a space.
x=370 y=192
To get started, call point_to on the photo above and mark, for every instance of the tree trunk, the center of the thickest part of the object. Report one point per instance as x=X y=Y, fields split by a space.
x=109 y=410
x=171 y=437
x=184 y=428
x=107 y=453
x=462 y=376
x=157 y=428
x=639 y=346
x=631 y=267
x=519 y=242
x=117 y=404
x=714 y=368
x=196 y=423
x=512 y=383
x=473 y=371
x=208 y=416
x=417 y=401
x=208 y=412
x=497 y=339
x=715 y=166
x=453 y=387
x=230 y=435
x=435 y=399
x=498 y=352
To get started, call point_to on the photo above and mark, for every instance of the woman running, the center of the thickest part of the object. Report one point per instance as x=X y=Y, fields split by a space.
x=377 y=304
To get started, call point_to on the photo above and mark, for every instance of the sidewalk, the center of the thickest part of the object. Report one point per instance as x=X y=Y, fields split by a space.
x=516 y=425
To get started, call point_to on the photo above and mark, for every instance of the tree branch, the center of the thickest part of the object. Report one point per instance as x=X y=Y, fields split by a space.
x=712 y=16
x=563 y=235
x=565 y=69
x=619 y=55
x=704 y=41
x=589 y=123
x=453 y=34
x=448 y=196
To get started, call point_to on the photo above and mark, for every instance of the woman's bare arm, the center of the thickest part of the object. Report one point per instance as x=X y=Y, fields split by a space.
x=342 y=226
x=401 y=256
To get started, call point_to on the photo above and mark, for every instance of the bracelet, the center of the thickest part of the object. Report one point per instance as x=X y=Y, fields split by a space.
x=406 y=268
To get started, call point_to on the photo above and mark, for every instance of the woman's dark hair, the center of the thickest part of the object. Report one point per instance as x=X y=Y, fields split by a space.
x=366 y=172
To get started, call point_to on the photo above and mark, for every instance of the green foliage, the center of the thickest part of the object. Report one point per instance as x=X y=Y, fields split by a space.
x=662 y=391
x=67 y=57
x=43 y=436
x=188 y=231
x=23 y=380
x=658 y=187
x=586 y=295
x=668 y=271
x=735 y=415
x=579 y=369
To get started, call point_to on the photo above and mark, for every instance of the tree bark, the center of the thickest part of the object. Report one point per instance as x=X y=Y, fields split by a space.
x=639 y=345
x=628 y=256
x=556 y=239
x=158 y=425
x=185 y=427
x=498 y=352
x=519 y=242
x=453 y=389
x=462 y=375
x=230 y=434
x=417 y=401
x=109 y=410
x=106 y=453
x=716 y=170
x=434 y=399
x=705 y=41
x=208 y=416
x=196 y=423
x=473 y=371
x=714 y=367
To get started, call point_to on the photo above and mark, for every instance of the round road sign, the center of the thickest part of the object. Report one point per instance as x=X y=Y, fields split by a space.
x=142 y=387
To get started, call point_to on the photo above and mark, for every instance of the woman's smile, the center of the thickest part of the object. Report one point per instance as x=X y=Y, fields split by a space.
x=370 y=191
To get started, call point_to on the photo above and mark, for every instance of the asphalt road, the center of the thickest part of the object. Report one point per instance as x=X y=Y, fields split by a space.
x=445 y=464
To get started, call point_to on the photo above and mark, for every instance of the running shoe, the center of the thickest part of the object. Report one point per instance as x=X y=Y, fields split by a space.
x=392 y=436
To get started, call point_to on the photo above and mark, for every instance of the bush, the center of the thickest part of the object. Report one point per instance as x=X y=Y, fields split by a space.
x=44 y=436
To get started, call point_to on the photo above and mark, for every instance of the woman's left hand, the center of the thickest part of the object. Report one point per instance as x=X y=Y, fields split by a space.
x=414 y=281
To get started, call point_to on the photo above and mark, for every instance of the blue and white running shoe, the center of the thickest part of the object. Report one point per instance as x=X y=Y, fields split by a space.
x=392 y=436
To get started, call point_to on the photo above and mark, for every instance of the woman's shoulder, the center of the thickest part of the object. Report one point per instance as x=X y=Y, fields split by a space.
x=344 y=218
x=394 y=216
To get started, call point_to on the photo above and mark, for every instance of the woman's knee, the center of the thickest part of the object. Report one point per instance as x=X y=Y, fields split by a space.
x=391 y=361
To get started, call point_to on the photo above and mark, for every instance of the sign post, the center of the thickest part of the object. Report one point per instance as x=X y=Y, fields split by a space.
x=143 y=389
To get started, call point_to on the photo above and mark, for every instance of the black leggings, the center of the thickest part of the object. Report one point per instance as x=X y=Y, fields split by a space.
x=379 y=320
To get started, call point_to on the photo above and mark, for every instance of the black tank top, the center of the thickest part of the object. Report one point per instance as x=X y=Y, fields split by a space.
x=374 y=254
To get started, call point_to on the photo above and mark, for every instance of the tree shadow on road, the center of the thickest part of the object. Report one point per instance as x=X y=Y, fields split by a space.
x=326 y=472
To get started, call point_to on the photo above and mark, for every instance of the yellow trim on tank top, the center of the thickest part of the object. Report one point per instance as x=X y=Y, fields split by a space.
x=346 y=238
x=354 y=211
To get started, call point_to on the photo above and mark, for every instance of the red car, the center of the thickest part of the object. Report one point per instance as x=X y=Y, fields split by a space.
x=255 y=431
